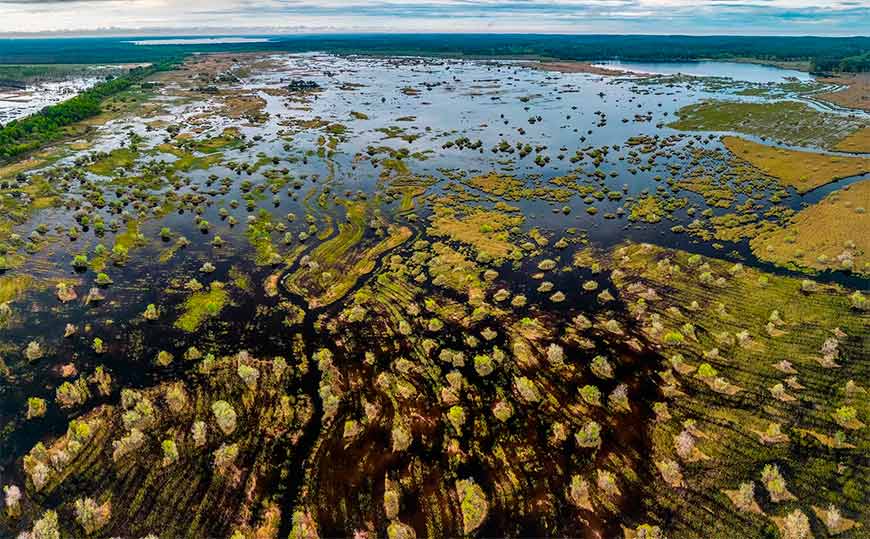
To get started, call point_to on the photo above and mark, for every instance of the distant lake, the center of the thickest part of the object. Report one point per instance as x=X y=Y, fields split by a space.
x=734 y=70
x=201 y=41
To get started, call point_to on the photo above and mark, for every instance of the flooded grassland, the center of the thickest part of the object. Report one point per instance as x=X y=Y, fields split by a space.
x=270 y=296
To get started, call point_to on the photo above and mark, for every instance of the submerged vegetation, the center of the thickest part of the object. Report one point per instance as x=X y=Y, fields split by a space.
x=248 y=309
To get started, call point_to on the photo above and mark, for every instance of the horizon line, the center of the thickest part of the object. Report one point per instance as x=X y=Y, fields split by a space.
x=264 y=32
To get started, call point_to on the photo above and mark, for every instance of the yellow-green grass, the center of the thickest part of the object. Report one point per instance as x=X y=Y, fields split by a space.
x=487 y=231
x=820 y=236
x=743 y=322
x=127 y=240
x=802 y=170
x=187 y=161
x=227 y=139
x=339 y=264
x=259 y=234
x=858 y=142
x=120 y=158
x=12 y=287
x=347 y=277
x=789 y=121
x=202 y=306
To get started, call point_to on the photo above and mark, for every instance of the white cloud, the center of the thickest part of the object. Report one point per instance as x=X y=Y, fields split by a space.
x=610 y=16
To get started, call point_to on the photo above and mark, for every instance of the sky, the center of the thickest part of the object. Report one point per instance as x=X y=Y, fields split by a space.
x=156 y=17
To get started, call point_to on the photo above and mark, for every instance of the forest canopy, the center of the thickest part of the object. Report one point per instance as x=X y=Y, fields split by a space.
x=21 y=136
x=824 y=53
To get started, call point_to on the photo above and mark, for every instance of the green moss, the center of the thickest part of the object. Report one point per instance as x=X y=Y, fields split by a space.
x=108 y=165
x=202 y=306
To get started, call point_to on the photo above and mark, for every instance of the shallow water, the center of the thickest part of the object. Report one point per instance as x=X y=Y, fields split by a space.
x=738 y=71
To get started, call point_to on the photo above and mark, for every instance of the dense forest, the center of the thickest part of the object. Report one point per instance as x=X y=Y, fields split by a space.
x=825 y=53
x=21 y=136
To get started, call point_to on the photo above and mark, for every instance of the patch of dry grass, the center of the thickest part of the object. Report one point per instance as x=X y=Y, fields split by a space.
x=833 y=234
x=856 y=94
x=487 y=231
x=802 y=170
x=858 y=142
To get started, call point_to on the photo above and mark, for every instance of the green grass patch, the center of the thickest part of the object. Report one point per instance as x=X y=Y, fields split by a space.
x=202 y=306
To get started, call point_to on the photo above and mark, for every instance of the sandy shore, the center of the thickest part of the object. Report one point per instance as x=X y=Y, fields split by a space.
x=576 y=67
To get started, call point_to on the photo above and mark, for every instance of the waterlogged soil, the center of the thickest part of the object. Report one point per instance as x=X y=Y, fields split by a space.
x=272 y=296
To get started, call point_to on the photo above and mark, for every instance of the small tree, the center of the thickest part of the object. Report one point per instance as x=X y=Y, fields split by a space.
x=225 y=416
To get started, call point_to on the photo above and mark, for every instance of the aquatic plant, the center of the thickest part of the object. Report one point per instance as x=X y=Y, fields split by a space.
x=671 y=473
x=176 y=397
x=555 y=355
x=456 y=416
x=198 y=432
x=400 y=436
x=503 y=410
x=744 y=497
x=395 y=530
x=527 y=389
x=847 y=417
x=80 y=262
x=151 y=312
x=164 y=358
x=606 y=482
x=36 y=407
x=483 y=364
x=73 y=394
x=795 y=525
x=601 y=368
x=34 y=351
x=859 y=302
x=618 y=399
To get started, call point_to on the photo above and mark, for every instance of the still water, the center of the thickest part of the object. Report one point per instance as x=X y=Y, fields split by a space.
x=755 y=73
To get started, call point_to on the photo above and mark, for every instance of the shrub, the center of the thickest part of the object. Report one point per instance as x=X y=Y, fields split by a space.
x=198 y=433
x=225 y=416
x=589 y=435
x=170 y=452
x=91 y=516
x=705 y=370
x=225 y=456
x=591 y=395
x=249 y=376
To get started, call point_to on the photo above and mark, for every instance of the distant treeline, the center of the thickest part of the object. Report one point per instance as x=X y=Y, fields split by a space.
x=860 y=63
x=21 y=136
x=824 y=53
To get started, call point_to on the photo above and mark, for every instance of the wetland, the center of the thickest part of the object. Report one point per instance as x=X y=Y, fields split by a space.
x=268 y=295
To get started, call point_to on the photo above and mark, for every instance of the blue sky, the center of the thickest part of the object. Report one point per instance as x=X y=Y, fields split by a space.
x=775 y=17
